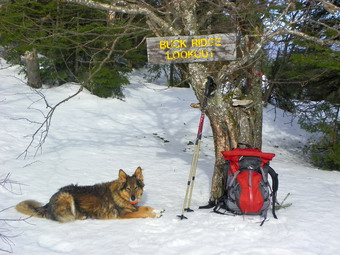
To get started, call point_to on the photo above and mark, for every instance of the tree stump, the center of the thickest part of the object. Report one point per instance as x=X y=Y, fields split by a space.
x=32 y=66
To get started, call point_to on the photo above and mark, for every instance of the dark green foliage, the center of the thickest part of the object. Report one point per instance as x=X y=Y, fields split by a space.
x=106 y=82
x=75 y=43
x=313 y=76
x=325 y=155
x=174 y=75
x=322 y=118
x=310 y=73
x=304 y=71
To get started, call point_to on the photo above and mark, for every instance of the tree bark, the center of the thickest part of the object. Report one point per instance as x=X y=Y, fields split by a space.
x=230 y=124
x=32 y=66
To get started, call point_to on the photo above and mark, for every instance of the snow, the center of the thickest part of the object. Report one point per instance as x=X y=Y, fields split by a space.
x=91 y=138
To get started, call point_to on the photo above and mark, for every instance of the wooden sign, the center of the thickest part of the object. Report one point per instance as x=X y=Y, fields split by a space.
x=188 y=49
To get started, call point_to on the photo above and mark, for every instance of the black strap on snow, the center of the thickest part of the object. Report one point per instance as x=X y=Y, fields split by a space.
x=275 y=187
x=210 y=205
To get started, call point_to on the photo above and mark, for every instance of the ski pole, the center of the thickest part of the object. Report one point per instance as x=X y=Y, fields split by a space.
x=209 y=89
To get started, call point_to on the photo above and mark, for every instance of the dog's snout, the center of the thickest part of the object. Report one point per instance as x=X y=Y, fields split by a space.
x=133 y=198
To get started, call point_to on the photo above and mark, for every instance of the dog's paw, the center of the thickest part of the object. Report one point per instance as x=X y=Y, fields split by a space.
x=158 y=213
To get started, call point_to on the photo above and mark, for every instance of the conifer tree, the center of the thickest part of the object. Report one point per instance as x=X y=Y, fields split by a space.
x=304 y=79
x=75 y=43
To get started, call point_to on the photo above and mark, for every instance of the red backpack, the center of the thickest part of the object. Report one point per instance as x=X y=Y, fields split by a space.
x=247 y=188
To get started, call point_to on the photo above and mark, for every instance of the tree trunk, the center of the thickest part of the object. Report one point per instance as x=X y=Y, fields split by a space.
x=172 y=76
x=32 y=65
x=231 y=124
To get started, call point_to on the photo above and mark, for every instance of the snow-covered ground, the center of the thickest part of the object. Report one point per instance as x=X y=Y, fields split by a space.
x=91 y=138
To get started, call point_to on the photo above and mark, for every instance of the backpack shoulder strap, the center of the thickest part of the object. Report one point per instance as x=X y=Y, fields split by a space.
x=275 y=186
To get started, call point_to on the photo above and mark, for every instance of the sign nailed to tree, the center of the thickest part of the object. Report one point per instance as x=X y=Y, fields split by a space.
x=187 y=49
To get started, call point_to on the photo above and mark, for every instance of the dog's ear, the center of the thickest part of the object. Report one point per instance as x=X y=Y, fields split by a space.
x=122 y=176
x=138 y=174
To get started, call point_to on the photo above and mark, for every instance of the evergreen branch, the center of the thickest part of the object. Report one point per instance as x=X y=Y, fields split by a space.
x=42 y=132
x=129 y=7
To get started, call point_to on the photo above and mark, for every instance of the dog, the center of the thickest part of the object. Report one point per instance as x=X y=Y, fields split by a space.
x=111 y=200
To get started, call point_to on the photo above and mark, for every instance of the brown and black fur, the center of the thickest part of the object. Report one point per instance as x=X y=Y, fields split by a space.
x=111 y=200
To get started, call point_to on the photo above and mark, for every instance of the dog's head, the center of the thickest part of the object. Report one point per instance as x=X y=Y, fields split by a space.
x=131 y=187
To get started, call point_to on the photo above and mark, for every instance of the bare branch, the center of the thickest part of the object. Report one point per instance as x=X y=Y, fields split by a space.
x=3 y=2
x=269 y=36
x=44 y=127
x=7 y=240
x=332 y=8
x=275 y=23
x=8 y=184
x=4 y=237
x=129 y=7
x=304 y=36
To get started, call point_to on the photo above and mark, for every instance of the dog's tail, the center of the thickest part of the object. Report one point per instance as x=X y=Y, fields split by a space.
x=32 y=208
